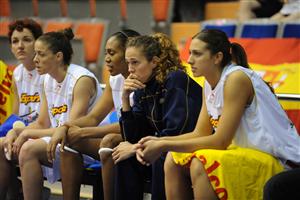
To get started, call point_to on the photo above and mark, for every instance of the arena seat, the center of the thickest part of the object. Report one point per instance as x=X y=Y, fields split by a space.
x=162 y=14
x=123 y=14
x=56 y=24
x=6 y=54
x=258 y=28
x=92 y=176
x=4 y=22
x=93 y=32
x=5 y=10
x=291 y=29
x=226 y=25
x=224 y=9
x=78 y=52
x=35 y=8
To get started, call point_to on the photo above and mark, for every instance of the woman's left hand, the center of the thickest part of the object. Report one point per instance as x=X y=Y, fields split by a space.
x=74 y=135
x=21 y=139
x=123 y=151
x=151 y=150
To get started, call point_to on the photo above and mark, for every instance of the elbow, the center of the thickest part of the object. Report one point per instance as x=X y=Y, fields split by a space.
x=42 y=124
x=220 y=144
x=223 y=144
x=94 y=120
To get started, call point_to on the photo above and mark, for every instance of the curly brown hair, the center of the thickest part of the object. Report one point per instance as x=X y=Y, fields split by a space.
x=28 y=23
x=159 y=45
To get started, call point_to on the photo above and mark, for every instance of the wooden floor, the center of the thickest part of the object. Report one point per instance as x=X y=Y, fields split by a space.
x=56 y=191
x=85 y=192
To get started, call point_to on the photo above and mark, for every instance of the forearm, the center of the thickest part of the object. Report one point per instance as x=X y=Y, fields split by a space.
x=86 y=121
x=100 y=131
x=36 y=125
x=180 y=137
x=33 y=126
x=39 y=133
x=193 y=144
x=125 y=104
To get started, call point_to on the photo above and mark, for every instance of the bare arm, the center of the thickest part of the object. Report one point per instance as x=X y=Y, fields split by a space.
x=131 y=84
x=43 y=120
x=37 y=129
x=16 y=100
x=90 y=121
x=83 y=91
x=40 y=127
x=98 y=113
x=238 y=91
x=98 y=131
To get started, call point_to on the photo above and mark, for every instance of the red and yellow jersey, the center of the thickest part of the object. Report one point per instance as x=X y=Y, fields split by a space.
x=6 y=91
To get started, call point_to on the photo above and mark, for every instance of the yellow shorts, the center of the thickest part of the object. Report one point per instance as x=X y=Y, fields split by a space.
x=236 y=173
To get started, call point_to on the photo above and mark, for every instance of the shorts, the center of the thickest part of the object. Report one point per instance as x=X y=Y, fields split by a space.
x=235 y=173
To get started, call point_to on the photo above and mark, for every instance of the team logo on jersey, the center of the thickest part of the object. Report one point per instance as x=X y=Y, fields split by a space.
x=26 y=98
x=59 y=110
x=214 y=122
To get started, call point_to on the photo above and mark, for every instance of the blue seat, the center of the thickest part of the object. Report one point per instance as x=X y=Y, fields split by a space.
x=228 y=26
x=291 y=30
x=113 y=118
x=94 y=166
x=262 y=28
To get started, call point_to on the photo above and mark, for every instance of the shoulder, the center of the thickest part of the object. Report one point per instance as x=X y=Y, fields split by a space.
x=18 y=71
x=85 y=81
x=238 y=83
x=116 y=81
x=73 y=68
x=176 y=79
x=78 y=72
x=238 y=77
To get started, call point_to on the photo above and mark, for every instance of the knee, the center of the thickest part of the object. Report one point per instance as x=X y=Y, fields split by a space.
x=169 y=166
x=26 y=152
x=2 y=156
x=196 y=169
x=111 y=140
x=1 y=145
x=69 y=158
x=2 y=142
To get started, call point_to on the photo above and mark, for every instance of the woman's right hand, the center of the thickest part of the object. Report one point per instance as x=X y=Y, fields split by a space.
x=131 y=84
x=123 y=151
x=147 y=138
x=9 y=139
x=59 y=136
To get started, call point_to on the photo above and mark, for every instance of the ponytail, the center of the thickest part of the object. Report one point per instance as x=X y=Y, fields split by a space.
x=238 y=55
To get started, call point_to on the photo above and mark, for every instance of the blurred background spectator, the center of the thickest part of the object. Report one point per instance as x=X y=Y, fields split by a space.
x=290 y=11
x=250 y=9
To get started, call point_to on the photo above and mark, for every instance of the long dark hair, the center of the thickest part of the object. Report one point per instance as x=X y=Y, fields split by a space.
x=217 y=41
